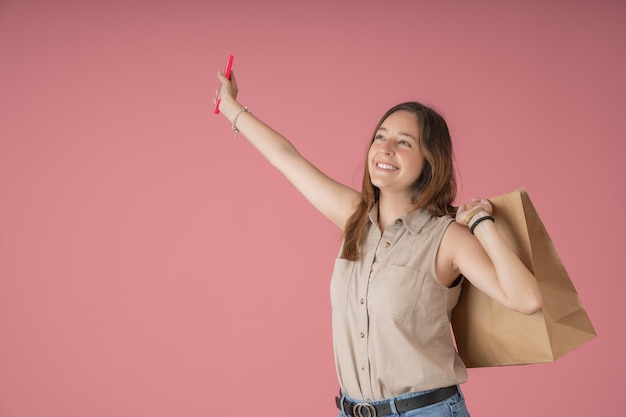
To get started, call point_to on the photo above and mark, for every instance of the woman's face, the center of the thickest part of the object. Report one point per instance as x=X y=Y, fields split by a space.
x=395 y=158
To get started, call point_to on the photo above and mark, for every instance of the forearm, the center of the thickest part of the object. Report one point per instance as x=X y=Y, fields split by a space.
x=333 y=199
x=517 y=283
x=271 y=144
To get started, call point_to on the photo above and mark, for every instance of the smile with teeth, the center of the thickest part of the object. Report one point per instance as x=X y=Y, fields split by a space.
x=387 y=167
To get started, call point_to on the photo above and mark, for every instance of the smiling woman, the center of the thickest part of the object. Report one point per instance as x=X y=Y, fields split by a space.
x=152 y=265
x=435 y=186
x=395 y=157
x=397 y=278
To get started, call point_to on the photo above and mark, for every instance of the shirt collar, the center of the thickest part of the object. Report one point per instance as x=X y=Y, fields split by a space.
x=413 y=221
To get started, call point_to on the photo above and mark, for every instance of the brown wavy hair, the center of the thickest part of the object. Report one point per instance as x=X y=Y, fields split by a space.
x=435 y=189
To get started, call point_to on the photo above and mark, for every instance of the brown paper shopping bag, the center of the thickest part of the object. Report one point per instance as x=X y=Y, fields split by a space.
x=488 y=334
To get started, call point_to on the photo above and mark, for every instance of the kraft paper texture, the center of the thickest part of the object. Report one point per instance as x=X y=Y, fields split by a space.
x=488 y=334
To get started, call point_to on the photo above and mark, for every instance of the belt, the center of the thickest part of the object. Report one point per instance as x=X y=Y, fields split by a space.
x=379 y=409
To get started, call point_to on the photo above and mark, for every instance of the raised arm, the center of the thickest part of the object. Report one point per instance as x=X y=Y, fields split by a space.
x=486 y=260
x=333 y=199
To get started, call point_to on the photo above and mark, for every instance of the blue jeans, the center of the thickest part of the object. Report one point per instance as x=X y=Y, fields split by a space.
x=452 y=407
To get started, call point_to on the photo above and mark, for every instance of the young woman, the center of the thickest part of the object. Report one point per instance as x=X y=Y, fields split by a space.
x=406 y=250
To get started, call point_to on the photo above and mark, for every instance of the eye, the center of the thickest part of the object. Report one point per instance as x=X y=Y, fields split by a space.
x=379 y=137
x=404 y=143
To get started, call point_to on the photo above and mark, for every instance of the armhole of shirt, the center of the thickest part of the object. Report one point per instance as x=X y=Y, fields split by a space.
x=445 y=222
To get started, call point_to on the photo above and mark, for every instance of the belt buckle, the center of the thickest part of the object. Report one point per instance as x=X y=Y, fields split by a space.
x=360 y=407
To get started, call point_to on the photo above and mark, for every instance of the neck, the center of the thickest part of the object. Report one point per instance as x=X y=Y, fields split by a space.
x=391 y=207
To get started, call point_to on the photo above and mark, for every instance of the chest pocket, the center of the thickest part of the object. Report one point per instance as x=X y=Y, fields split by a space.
x=395 y=292
x=340 y=283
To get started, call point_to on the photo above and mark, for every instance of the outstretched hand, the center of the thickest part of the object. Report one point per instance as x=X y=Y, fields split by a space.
x=227 y=93
x=476 y=207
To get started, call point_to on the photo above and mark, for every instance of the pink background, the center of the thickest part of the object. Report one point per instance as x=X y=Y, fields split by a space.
x=150 y=264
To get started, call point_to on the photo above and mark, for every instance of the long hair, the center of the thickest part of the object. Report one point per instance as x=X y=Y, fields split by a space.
x=435 y=188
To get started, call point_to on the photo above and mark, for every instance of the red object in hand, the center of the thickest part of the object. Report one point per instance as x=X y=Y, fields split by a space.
x=229 y=65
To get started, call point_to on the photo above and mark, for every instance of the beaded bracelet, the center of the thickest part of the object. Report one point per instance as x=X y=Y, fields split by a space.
x=235 y=129
x=480 y=220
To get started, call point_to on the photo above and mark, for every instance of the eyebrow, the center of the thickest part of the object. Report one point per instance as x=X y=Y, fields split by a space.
x=400 y=133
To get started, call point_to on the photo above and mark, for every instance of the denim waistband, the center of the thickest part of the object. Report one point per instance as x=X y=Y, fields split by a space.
x=392 y=406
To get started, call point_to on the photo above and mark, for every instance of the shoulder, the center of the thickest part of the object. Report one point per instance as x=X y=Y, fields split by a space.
x=456 y=239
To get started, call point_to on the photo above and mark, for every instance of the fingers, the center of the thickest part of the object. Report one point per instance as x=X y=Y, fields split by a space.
x=477 y=201
x=232 y=81
x=482 y=203
x=471 y=213
x=486 y=204
x=227 y=87
x=467 y=211
x=221 y=77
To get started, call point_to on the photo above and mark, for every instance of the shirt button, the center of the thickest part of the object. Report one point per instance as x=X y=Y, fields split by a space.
x=387 y=244
x=362 y=335
x=363 y=368
x=398 y=221
x=362 y=301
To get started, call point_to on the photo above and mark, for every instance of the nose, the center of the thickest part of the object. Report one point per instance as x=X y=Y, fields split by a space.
x=388 y=148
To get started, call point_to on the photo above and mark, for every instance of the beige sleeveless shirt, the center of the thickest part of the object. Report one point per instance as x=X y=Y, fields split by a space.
x=391 y=316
